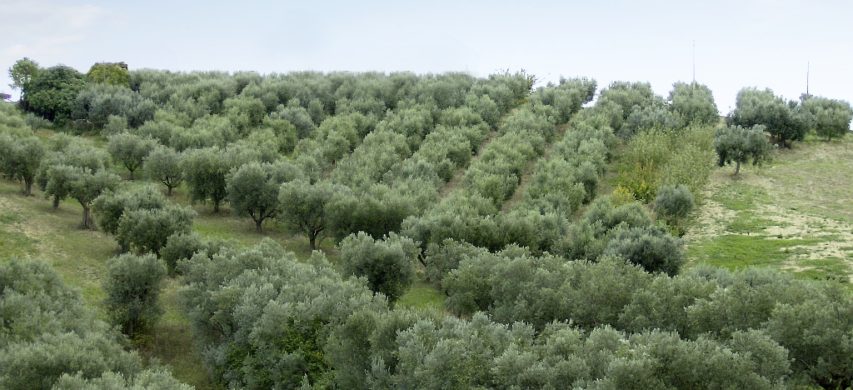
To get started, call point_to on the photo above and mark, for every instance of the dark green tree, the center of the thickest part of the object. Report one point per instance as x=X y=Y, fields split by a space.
x=650 y=247
x=387 y=264
x=52 y=92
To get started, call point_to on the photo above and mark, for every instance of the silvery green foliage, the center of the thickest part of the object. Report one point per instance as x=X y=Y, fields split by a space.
x=163 y=165
x=253 y=189
x=110 y=206
x=20 y=159
x=674 y=203
x=130 y=150
x=738 y=145
x=97 y=103
x=148 y=379
x=272 y=326
x=786 y=122
x=829 y=118
x=147 y=230
x=305 y=207
x=205 y=171
x=694 y=103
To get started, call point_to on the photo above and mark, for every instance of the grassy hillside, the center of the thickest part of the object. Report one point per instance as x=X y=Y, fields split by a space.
x=793 y=214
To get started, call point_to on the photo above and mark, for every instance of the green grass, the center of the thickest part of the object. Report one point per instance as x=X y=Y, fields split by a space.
x=814 y=177
x=422 y=295
x=739 y=196
x=824 y=269
x=734 y=251
x=172 y=342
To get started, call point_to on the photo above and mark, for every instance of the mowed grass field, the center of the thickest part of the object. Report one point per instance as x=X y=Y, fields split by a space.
x=793 y=214
x=30 y=228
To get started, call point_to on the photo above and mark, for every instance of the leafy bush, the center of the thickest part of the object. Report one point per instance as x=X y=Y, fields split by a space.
x=650 y=247
x=674 y=203
x=387 y=264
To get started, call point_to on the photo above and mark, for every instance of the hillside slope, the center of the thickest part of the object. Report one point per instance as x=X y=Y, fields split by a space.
x=793 y=214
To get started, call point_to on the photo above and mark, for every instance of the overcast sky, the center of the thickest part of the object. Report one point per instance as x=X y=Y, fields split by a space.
x=739 y=43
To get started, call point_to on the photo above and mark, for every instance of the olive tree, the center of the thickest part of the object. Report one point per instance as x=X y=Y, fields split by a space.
x=694 y=102
x=387 y=264
x=205 y=171
x=85 y=186
x=253 y=189
x=180 y=246
x=735 y=144
x=132 y=287
x=148 y=230
x=303 y=207
x=58 y=167
x=130 y=150
x=111 y=206
x=782 y=120
x=831 y=118
x=20 y=159
x=163 y=165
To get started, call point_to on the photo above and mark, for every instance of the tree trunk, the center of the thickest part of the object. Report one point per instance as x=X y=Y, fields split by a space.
x=168 y=190
x=55 y=202
x=737 y=167
x=28 y=187
x=216 y=206
x=131 y=174
x=258 y=225
x=86 y=218
x=312 y=240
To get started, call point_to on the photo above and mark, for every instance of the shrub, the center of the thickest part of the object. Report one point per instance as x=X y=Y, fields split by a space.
x=387 y=264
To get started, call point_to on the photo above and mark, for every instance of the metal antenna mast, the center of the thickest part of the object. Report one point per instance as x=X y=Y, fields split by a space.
x=694 y=62
x=808 y=68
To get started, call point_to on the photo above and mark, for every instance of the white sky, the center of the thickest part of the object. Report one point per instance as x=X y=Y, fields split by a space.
x=741 y=43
